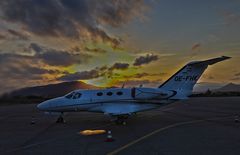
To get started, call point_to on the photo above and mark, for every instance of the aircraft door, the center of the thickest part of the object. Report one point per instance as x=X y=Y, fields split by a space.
x=133 y=92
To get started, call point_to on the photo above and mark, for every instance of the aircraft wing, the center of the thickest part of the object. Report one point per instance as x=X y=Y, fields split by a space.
x=121 y=108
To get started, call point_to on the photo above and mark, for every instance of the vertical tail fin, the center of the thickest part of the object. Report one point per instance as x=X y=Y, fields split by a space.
x=184 y=80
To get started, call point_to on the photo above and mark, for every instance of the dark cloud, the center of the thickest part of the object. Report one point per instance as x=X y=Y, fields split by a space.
x=95 y=50
x=17 y=34
x=137 y=75
x=237 y=74
x=118 y=12
x=94 y=73
x=60 y=58
x=120 y=66
x=140 y=75
x=136 y=83
x=97 y=33
x=72 y=18
x=76 y=49
x=11 y=34
x=235 y=78
x=230 y=17
x=2 y=37
x=10 y=58
x=145 y=59
x=36 y=47
x=84 y=75
x=57 y=57
x=22 y=70
x=210 y=77
x=15 y=66
x=36 y=70
x=103 y=68
x=196 y=46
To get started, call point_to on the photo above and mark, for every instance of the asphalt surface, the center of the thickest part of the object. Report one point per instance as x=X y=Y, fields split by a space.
x=198 y=126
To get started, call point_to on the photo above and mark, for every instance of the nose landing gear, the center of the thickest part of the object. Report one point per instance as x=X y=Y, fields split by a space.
x=60 y=119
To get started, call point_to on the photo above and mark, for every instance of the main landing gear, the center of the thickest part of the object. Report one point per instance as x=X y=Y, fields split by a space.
x=60 y=119
x=121 y=120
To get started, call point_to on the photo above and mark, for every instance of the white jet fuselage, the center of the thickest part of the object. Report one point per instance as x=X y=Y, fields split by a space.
x=111 y=101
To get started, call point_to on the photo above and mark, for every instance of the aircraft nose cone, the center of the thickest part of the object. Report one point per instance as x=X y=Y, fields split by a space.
x=43 y=106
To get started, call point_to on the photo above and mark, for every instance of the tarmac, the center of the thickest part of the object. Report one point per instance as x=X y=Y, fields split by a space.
x=198 y=126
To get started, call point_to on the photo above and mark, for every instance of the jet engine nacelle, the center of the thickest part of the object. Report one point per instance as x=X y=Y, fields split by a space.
x=151 y=93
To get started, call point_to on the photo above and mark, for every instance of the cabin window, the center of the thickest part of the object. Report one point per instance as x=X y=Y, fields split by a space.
x=119 y=93
x=109 y=93
x=99 y=94
x=70 y=95
x=77 y=95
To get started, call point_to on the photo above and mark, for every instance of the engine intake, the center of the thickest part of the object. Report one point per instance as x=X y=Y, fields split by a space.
x=151 y=93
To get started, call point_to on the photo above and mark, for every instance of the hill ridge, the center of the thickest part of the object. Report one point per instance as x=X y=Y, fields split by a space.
x=51 y=90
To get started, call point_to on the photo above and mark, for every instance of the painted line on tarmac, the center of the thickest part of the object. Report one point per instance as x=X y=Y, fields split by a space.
x=158 y=131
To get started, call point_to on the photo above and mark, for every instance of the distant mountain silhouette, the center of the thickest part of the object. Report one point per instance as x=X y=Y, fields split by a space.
x=51 y=90
x=204 y=86
x=231 y=87
x=60 y=89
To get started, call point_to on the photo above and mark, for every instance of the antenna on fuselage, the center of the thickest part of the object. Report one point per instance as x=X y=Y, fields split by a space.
x=123 y=85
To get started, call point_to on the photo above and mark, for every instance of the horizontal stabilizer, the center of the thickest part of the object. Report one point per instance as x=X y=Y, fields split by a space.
x=209 y=61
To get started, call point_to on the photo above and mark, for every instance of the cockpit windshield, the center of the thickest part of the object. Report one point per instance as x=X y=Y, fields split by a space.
x=73 y=95
x=70 y=95
x=77 y=95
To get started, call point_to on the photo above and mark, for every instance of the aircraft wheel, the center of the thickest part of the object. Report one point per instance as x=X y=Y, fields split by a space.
x=60 y=120
x=120 y=122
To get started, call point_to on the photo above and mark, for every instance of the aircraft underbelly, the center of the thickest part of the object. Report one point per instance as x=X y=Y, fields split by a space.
x=121 y=108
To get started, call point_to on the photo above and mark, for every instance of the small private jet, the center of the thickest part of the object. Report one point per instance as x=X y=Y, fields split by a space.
x=120 y=103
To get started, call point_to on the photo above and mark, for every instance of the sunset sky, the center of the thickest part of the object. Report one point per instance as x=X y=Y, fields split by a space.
x=111 y=42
